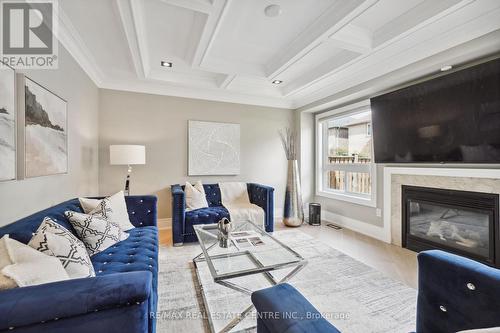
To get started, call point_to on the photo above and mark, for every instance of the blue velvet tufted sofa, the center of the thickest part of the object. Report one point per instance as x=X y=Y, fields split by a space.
x=183 y=221
x=454 y=294
x=122 y=298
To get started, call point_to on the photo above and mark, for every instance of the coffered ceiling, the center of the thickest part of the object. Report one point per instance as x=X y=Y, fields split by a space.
x=230 y=50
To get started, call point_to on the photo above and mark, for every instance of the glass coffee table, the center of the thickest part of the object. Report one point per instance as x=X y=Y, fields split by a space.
x=251 y=251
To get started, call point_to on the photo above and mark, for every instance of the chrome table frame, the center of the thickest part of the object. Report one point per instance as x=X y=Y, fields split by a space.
x=221 y=279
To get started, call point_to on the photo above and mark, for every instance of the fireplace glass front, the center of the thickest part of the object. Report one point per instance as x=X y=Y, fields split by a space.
x=456 y=221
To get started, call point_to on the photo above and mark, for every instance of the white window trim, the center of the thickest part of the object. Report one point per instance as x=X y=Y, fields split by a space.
x=320 y=174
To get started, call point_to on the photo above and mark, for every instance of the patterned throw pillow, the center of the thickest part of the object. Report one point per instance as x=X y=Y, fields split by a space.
x=112 y=208
x=53 y=239
x=96 y=232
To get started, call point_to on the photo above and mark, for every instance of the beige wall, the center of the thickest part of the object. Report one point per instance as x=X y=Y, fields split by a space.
x=21 y=198
x=161 y=123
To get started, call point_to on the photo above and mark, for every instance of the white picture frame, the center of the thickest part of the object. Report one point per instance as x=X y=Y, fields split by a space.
x=8 y=124
x=44 y=128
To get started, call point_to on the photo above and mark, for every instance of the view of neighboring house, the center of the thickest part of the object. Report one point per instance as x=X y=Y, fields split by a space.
x=350 y=141
x=350 y=136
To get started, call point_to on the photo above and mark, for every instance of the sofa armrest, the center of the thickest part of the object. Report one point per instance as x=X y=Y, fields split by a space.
x=456 y=293
x=263 y=196
x=178 y=213
x=283 y=309
x=64 y=299
x=142 y=210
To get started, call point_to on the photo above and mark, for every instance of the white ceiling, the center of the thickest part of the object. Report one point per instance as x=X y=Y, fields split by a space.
x=229 y=50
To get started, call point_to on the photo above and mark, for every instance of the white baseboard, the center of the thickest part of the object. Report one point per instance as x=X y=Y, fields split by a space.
x=165 y=223
x=364 y=228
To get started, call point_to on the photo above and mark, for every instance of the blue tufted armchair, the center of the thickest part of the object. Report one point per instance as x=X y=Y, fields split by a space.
x=183 y=221
x=454 y=294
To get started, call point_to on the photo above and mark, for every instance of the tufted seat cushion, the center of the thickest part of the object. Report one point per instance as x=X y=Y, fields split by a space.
x=139 y=252
x=204 y=216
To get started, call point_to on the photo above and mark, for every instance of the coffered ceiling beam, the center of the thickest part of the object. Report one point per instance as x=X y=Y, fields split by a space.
x=225 y=80
x=140 y=31
x=209 y=32
x=340 y=14
x=202 y=6
x=471 y=19
x=353 y=38
x=412 y=18
x=418 y=22
x=463 y=53
x=125 y=9
x=334 y=63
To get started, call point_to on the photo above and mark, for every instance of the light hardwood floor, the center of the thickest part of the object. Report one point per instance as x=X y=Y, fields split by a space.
x=394 y=261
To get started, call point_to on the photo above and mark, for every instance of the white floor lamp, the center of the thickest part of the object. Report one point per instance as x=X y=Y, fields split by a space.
x=127 y=155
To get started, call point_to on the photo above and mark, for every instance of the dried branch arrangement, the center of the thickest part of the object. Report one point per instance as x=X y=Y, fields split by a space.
x=289 y=142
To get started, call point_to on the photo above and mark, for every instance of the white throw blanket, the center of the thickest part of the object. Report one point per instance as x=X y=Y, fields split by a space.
x=235 y=199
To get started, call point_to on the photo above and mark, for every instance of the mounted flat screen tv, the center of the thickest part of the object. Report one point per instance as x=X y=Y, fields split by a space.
x=454 y=118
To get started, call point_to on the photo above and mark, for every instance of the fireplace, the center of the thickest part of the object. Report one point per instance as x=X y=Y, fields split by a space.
x=465 y=223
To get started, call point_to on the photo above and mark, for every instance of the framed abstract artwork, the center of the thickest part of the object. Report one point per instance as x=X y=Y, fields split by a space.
x=45 y=131
x=214 y=148
x=8 y=124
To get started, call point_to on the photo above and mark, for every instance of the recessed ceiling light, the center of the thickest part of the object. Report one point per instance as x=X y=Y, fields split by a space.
x=277 y=82
x=272 y=10
x=446 y=68
x=166 y=64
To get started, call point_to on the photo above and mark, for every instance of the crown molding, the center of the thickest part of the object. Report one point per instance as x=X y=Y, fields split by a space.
x=215 y=94
x=69 y=37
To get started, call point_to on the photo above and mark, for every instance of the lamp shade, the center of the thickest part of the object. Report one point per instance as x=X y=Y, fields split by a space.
x=127 y=154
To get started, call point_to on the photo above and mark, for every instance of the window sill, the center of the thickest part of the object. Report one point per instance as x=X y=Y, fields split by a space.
x=369 y=202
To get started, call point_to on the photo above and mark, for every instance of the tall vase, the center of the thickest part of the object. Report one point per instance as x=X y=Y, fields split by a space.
x=293 y=214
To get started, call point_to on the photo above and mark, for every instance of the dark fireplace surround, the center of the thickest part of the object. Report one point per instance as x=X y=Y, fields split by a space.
x=461 y=222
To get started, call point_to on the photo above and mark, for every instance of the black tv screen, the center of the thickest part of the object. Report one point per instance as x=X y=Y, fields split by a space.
x=453 y=118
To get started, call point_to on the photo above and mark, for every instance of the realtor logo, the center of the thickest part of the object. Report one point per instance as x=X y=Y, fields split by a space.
x=28 y=34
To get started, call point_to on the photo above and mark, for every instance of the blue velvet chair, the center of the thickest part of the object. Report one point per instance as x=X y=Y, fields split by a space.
x=282 y=309
x=454 y=294
x=183 y=221
x=122 y=298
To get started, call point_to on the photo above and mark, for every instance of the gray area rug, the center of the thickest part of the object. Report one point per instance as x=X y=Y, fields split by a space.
x=354 y=297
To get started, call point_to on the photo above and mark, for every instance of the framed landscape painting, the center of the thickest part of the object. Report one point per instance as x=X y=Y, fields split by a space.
x=214 y=148
x=45 y=131
x=7 y=123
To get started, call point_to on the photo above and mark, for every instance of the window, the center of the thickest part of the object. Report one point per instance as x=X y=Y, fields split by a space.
x=345 y=155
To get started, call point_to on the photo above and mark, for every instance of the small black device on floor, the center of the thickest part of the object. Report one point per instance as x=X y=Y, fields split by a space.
x=314 y=214
x=334 y=226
